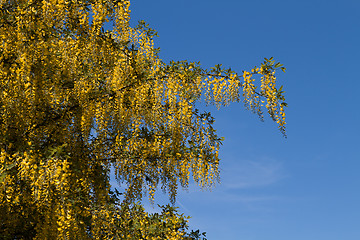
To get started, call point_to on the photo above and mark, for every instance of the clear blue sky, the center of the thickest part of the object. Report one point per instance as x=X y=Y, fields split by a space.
x=303 y=187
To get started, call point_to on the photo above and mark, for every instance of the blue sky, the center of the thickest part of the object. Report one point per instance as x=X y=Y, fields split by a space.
x=272 y=188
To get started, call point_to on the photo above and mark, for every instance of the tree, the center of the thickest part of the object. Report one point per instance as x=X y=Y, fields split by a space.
x=77 y=100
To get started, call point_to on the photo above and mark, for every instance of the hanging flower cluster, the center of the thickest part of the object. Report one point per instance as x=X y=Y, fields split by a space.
x=77 y=100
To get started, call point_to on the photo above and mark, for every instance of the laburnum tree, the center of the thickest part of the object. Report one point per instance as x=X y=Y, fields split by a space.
x=77 y=100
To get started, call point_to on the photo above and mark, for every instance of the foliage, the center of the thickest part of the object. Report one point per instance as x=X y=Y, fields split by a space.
x=77 y=100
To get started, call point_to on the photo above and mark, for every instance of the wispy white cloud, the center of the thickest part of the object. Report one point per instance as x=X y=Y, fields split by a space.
x=244 y=184
x=230 y=197
x=251 y=173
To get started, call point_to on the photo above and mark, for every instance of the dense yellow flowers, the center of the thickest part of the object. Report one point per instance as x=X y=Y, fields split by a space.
x=77 y=100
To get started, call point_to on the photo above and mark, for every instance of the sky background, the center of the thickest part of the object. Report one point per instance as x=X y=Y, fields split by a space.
x=272 y=188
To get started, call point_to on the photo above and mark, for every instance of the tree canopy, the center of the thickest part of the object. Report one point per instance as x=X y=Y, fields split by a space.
x=77 y=100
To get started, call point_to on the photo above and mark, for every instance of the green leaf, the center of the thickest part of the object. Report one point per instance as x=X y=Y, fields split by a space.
x=277 y=65
x=2 y=176
x=10 y=166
